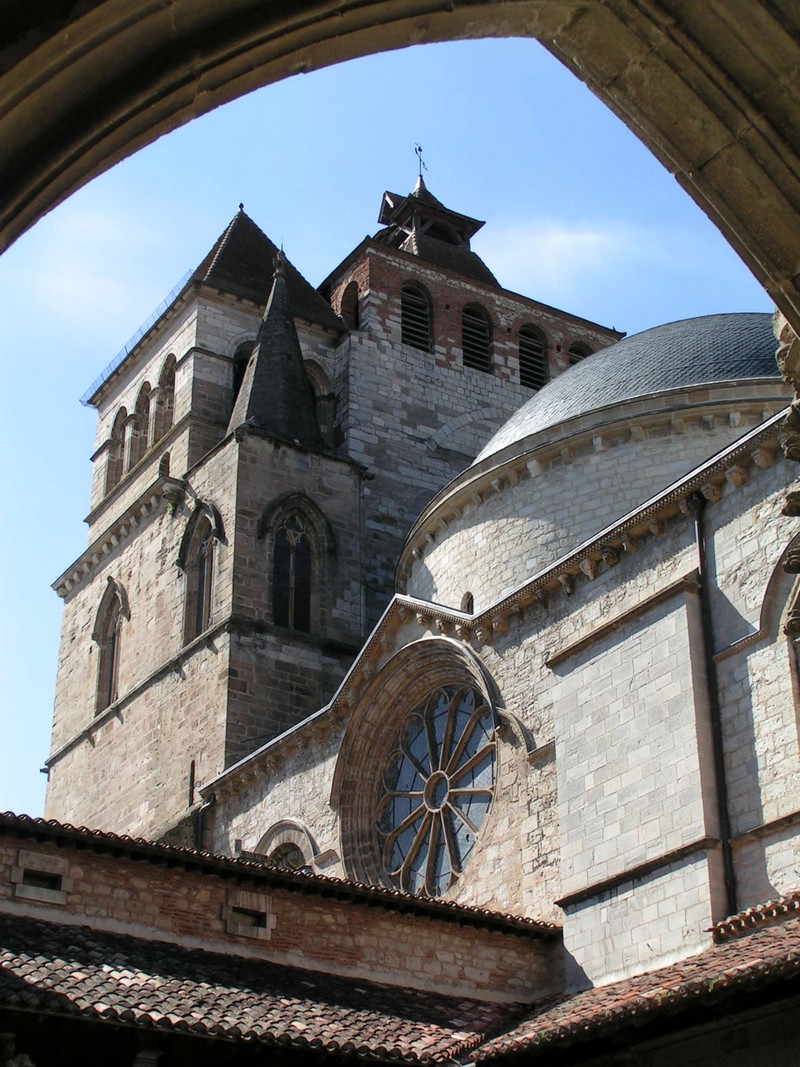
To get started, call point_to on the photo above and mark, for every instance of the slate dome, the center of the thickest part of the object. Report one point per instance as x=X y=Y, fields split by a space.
x=691 y=352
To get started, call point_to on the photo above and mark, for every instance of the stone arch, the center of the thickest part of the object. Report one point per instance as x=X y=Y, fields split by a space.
x=313 y=527
x=658 y=68
x=324 y=399
x=285 y=834
x=116 y=450
x=165 y=399
x=406 y=679
x=112 y=611
x=203 y=509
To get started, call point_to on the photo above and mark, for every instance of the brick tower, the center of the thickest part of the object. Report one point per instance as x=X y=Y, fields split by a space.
x=261 y=452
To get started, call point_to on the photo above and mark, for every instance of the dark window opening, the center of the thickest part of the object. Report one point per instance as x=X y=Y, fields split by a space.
x=468 y=603
x=476 y=339
x=41 y=879
x=205 y=565
x=349 y=306
x=578 y=352
x=532 y=358
x=248 y=917
x=415 y=318
x=108 y=668
x=291 y=576
x=240 y=360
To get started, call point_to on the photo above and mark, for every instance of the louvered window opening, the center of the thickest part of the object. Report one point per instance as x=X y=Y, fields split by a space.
x=577 y=353
x=415 y=318
x=532 y=359
x=476 y=338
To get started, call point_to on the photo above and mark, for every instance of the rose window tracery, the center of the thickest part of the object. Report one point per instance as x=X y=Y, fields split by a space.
x=437 y=788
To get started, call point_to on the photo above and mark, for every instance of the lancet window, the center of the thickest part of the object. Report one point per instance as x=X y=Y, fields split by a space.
x=476 y=338
x=292 y=574
x=108 y=636
x=415 y=317
x=532 y=357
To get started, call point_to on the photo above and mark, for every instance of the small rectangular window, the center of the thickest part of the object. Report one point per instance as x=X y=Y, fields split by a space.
x=247 y=917
x=41 y=880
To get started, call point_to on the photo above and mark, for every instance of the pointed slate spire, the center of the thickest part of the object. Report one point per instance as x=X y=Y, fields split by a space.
x=275 y=396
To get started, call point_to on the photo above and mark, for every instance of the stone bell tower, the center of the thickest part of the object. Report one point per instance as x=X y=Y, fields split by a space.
x=262 y=451
x=220 y=598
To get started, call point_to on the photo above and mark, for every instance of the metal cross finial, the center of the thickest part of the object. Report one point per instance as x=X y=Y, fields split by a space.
x=422 y=164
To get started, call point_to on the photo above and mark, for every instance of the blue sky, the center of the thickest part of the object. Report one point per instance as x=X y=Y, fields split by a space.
x=579 y=215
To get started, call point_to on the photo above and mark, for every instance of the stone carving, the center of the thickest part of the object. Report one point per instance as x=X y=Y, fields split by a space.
x=788 y=359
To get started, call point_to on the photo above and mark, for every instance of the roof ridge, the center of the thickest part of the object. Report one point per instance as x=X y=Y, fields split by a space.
x=310 y=882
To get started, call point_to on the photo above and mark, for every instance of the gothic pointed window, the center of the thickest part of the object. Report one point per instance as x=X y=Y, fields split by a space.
x=532 y=357
x=349 y=306
x=241 y=358
x=476 y=338
x=108 y=635
x=415 y=317
x=140 y=429
x=200 y=579
x=166 y=398
x=116 y=449
x=291 y=575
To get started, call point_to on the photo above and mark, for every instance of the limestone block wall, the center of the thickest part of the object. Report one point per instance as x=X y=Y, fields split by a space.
x=606 y=793
x=509 y=524
x=131 y=770
x=175 y=336
x=161 y=679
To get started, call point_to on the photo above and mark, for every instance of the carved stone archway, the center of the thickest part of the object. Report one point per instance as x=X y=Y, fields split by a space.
x=710 y=88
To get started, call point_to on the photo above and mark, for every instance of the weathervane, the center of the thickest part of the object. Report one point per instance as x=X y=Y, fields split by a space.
x=422 y=164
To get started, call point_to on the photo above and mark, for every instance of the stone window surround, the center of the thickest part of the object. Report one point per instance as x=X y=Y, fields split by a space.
x=29 y=861
x=401 y=684
x=254 y=904
x=288 y=832
x=321 y=539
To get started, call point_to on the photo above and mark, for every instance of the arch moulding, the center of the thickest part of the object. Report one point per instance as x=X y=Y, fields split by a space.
x=709 y=88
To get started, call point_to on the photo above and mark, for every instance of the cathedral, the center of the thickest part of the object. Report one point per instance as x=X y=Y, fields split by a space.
x=428 y=688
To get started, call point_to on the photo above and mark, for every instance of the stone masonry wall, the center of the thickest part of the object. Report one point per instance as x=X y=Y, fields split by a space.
x=172 y=697
x=622 y=723
x=305 y=929
x=562 y=497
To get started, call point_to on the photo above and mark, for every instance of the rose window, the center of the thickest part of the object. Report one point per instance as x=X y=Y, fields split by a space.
x=438 y=784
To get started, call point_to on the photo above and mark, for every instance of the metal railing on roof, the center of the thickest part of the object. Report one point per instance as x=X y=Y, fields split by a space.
x=128 y=347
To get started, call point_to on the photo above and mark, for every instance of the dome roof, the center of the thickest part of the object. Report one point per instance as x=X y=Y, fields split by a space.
x=691 y=352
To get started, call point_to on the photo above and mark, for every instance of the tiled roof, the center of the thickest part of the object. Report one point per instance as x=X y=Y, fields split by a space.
x=300 y=881
x=70 y=970
x=242 y=262
x=688 y=353
x=738 y=966
x=759 y=915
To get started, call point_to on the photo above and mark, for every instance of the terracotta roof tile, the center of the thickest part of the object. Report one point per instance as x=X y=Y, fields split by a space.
x=79 y=971
x=759 y=915
x=323 y=885
x=737 y=966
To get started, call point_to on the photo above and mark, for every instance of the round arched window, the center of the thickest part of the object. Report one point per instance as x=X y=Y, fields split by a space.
x=437 y=788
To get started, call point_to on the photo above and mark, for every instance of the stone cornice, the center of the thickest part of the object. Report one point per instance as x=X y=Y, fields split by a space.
x=604 y=550
x=162 y=489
